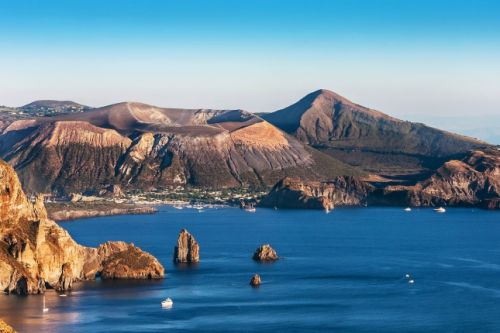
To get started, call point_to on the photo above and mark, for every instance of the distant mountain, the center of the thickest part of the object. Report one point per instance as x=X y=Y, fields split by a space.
x=139 y=146
x=367 y=138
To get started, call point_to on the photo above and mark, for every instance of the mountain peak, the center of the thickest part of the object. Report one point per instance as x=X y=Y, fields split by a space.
x=324 y=118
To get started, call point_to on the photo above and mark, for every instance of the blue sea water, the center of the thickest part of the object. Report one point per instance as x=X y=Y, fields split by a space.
x=339 y=272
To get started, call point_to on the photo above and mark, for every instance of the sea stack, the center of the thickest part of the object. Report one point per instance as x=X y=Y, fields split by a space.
x=187 y=249
x=265 y=253
x=255 y=281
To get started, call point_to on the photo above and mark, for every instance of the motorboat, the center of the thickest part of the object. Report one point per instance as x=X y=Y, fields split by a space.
x=407 y=209
x=440 y=210
x=44 y=308
x=167 y=303
x=251 y=209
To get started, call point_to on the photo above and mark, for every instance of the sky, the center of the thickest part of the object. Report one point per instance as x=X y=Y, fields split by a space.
x=432 y=61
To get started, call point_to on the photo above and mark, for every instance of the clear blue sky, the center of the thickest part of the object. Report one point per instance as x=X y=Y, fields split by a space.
x=435 y=61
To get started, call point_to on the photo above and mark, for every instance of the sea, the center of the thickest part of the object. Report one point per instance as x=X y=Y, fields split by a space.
x=351 y=270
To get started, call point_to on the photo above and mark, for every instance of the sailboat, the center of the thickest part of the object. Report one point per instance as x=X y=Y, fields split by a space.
x=44 y=308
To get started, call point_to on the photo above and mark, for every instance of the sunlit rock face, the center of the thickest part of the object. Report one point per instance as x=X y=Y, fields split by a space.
x=472 y=181
x=265 y=253
x=187 y=249
x=36 y=253
x=296 y=193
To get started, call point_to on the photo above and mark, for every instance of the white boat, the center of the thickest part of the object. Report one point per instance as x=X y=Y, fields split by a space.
x=407 y=209
x=411 y=281
x=440 y=210
x=168 y=303
x=250 y=209
x=44 y=308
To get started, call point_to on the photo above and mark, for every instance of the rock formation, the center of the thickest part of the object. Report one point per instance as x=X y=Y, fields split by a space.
x=187 y=249
x=126 y=261
x=265 y=253
x=6 y=328
x=472 y=181
x=255 y=281
x=36 y=253
x=295 y=193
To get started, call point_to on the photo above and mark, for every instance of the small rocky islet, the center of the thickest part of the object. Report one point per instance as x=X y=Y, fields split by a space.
x=187 y=249
x=255 y=281
x=265 y=253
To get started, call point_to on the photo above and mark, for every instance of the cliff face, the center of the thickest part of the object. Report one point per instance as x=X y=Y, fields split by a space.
x=36 y=253
x=472 y=181
x=142 y=147
x=187 y=249
x=295 y=193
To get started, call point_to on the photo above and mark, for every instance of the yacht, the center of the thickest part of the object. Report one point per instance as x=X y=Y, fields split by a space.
x=168 y=303
x=407 y=209
x=440 y=210
x=250 y=209
x=44 y=308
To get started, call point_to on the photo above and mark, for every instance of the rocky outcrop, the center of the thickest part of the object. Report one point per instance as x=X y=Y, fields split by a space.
x=187 y=249
x=255 y=281
x=472 y=181
x=6 y=328
x=295 y=193
x=66 y=278
x=36 y=253
x=126 y=261
x=265 y=253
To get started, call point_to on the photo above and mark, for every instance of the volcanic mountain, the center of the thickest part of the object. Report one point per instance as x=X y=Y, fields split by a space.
x=139 y=146
x=367 y=138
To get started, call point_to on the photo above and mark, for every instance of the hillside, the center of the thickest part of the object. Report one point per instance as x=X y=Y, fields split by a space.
x=368 y=138
x=140 y=146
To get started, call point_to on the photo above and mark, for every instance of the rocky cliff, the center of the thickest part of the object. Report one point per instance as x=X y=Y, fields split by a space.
x=36 y=253
x=140 y=146
x=295 y=193
x=6 y=328
x=472 y=181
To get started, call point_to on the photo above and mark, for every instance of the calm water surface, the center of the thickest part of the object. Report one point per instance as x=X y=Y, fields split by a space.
x=341 y=272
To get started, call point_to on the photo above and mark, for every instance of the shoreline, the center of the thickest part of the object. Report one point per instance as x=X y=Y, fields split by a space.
x=68 y=211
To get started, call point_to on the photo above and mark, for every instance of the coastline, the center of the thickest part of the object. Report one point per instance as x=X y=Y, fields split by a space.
x=67 y=211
